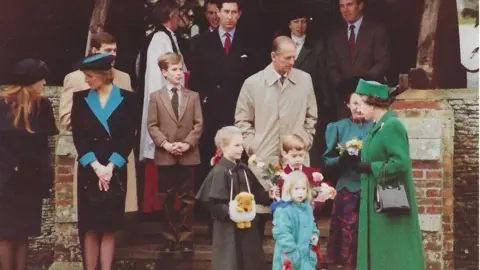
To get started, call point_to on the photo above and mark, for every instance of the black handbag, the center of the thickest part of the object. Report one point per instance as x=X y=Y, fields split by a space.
x=115 y=192
x=390 y=197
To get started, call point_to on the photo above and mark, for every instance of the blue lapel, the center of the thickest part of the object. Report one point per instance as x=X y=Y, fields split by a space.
x=102 y=115
x=113 y=101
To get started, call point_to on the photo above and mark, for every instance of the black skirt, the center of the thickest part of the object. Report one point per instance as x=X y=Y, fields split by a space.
x=105 y=216
x=20 y=217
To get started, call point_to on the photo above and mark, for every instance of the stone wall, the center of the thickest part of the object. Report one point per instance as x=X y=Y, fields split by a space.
x=466 y=181
x=447 y=184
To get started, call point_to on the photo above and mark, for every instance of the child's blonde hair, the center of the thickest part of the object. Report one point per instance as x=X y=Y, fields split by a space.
x=293 y=141
x=291 y=180
x=225 y=134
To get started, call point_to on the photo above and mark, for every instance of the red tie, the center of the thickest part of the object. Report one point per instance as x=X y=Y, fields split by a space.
x=351 y=42
x=228 y=43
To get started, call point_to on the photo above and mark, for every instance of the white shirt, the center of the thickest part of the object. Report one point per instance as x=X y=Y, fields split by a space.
x=299 y=41
x=357 y=24
x=154 y=81
x=222 y=33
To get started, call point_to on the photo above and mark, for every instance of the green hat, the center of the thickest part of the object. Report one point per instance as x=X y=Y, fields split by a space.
x=372 y=88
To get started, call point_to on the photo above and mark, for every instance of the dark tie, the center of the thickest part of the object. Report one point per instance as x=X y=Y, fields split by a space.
x=228 y=43
x=282 y=79
x=351 y=42
x=175 y=101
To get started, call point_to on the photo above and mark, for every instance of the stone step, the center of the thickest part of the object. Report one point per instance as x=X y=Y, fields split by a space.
x=202 y=253
x=148 y=232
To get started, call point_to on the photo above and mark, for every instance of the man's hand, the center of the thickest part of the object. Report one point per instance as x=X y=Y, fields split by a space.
x=170 y=147
x=182 y=147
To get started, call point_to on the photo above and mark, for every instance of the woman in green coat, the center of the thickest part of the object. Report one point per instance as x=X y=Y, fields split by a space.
x=385 y=241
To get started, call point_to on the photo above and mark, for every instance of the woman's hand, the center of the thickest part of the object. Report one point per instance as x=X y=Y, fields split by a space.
x=349 y=161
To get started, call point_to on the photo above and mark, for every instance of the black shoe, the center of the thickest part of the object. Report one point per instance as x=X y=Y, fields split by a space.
x=169 y=247
x=187 y=247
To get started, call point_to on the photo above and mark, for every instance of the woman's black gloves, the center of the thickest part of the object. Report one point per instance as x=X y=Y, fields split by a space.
x=349 y=161
x=354 y=162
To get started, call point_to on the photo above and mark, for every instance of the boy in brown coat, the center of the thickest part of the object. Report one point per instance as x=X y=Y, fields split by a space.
x=175 y=123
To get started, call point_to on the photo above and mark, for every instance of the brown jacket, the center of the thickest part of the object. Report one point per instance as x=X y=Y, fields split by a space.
x=75 y=81
x=163 y=125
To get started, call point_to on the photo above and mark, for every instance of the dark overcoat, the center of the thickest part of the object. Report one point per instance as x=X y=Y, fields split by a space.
x=26 y=172
x=233 y=248
x=107 y=135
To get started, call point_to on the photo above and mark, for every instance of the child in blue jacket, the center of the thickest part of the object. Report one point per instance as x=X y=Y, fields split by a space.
x=294 y=228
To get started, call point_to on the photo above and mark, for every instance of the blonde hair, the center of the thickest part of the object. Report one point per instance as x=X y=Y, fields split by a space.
x=106 y=75
x=167 y=59
x=291 y=180
x=293 y=141
x=23 y=101
x=225 y=134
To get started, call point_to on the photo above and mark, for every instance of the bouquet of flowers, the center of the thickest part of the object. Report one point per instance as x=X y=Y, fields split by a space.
x=272 y=173
x=352 y=147
x=323 y=192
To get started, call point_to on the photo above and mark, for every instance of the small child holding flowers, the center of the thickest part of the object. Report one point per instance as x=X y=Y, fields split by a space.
x=294 y=229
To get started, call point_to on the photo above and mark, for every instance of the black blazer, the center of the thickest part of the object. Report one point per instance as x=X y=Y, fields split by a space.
x=218 y=77
x=103 y=132
x=25 y=159
x=312 y=59
x=371 y=57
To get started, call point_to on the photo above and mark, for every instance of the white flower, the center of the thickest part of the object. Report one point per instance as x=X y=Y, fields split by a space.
x=252 y=160
x=317 y=177
x=261 y=164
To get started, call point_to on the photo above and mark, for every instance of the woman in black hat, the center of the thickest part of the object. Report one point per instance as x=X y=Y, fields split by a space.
x=103 y=129
x=26 y=175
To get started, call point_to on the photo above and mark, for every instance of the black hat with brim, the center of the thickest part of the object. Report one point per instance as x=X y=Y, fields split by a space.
x=297 y=12
x=98 y=61
x=29 y=71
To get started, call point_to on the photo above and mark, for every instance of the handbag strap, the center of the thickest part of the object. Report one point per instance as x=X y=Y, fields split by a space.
x=231 y=183
x=383 y=179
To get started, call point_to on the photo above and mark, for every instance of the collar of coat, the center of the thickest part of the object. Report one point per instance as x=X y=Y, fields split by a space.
x=227 y=163
x=271 y=76
x=378 y=125
x=103 y=114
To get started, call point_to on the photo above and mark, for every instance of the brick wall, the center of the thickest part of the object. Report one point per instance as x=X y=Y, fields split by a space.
x=447 y=185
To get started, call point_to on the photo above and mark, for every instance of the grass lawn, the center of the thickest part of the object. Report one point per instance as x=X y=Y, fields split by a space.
x=468 y=20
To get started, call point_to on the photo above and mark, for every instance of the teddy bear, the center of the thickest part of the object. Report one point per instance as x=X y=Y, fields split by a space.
x=242 y=210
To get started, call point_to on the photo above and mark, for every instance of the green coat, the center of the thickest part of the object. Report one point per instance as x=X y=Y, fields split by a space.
x=386 y=241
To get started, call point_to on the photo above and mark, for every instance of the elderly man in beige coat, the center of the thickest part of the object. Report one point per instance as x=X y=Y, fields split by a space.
x=75 y=81
x=273 y=103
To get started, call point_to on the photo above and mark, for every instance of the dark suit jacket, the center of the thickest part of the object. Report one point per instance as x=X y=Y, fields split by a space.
x=371 y=58
x=312 y=59
x=218 y=77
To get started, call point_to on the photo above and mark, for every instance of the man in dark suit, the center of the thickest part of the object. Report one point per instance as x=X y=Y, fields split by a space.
x=224 y=58
x=356 y=48
x=311 y=58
